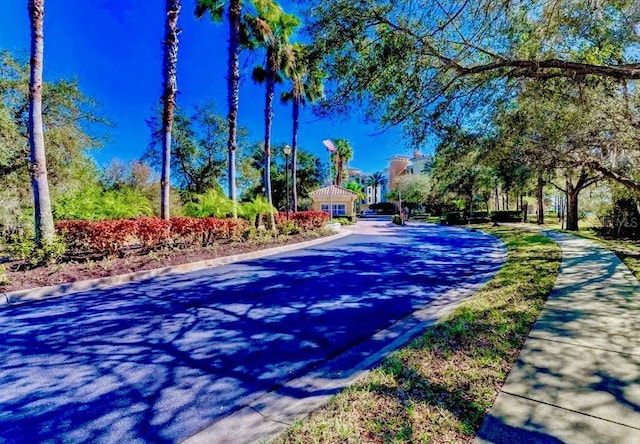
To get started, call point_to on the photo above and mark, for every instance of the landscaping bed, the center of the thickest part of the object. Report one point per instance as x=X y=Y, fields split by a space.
x=440 y=387
x=19 y=278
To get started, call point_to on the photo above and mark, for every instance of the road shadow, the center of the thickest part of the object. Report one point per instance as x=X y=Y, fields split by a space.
x=158 y=360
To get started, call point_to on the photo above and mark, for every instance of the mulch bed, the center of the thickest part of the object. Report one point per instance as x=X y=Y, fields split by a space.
x=20 y=279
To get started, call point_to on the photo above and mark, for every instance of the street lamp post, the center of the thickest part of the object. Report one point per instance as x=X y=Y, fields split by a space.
x=287 y=151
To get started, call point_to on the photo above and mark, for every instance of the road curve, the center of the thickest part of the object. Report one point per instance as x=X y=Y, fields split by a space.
x=162 y=359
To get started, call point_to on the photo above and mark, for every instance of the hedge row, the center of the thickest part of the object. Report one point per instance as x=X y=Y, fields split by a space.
x=305 y=220
x=113 y=236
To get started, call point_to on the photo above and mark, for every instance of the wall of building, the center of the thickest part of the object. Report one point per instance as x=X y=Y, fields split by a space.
x=397 y=166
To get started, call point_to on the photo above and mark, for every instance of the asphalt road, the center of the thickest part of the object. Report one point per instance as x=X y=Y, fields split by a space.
x=159 y=360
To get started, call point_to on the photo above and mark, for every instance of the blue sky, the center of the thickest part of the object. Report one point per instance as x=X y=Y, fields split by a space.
x=114 y=48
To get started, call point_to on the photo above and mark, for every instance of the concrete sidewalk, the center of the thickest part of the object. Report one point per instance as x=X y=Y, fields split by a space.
x=577 y=378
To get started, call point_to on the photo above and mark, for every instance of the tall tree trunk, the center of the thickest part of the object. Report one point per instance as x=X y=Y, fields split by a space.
x=294 y=151
x=572 y=207
x=233 y=97
x=525 y=209
x=170 y=64
x=497 y=198
x=44 y=229
x=540 y=198
x=268 y=121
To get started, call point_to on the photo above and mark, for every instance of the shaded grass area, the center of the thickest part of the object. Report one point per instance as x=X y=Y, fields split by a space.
x=439 y=387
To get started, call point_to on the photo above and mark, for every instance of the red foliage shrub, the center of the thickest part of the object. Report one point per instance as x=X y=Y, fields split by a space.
x=310 y=220
x=215 y=229
x=236 y=228
x=108 y=236
x=187 y=230
x=281 y=217
x=153 y=231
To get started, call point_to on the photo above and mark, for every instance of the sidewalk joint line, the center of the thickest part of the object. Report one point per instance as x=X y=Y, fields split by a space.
x=571 y=410
x=533 y=335
x=268 y=418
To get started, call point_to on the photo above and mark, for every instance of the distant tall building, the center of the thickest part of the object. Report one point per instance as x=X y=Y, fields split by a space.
x=398 y=166
x=420 y=163
x=372 y=195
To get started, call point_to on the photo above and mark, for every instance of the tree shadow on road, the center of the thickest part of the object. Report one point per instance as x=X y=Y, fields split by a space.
x=158 y=360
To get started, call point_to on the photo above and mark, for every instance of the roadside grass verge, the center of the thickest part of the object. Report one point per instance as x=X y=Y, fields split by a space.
x=439 y=388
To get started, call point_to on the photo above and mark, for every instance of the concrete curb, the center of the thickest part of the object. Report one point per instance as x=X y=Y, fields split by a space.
x=35 y=294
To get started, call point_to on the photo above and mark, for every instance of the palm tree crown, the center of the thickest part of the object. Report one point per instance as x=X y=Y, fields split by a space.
x=271 y=29
x=306 y=85
x=377 y=179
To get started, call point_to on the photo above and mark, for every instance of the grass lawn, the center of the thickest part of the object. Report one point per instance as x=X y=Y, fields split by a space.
x=439 y=387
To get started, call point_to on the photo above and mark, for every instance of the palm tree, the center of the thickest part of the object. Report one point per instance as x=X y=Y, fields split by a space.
x=342 y=155
x=306 y=85
x=169 y=68
x=44 y=229
x=216 y=9
x=272 y=29
x=377 y=179
x=358 y=189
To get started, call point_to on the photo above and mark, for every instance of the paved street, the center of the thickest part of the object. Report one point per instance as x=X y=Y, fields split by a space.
x=159 y=360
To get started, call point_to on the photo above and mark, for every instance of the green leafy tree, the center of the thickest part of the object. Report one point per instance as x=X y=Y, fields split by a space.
x=459 y=168
x=412 y=189
x=73 y=125
x=415 y=63
x=198 y=148
x=309 y=175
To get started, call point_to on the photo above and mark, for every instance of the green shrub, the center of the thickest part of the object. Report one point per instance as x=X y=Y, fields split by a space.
x=396 y=219
x=255 y=208
x=288 y=227
x=94 y=203
x=343 y=220
x=4 y=279
x=506 y=216
x=25 y=249
x=213 y=203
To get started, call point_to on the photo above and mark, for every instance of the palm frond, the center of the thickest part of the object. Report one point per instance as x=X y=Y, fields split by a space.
x=214 y=7
x=259 y=74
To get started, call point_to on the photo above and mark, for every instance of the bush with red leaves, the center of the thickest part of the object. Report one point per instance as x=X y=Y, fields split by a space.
x=310 y=220
x=153 y=232
x=107 y=236
x=110 y=237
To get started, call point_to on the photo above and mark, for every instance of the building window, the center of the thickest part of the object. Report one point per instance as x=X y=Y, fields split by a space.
x=338 y=209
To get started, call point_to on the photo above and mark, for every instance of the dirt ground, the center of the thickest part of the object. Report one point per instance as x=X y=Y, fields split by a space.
x=19 y=278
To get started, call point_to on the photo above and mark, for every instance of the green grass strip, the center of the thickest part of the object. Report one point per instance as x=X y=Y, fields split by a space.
x=439 y=387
